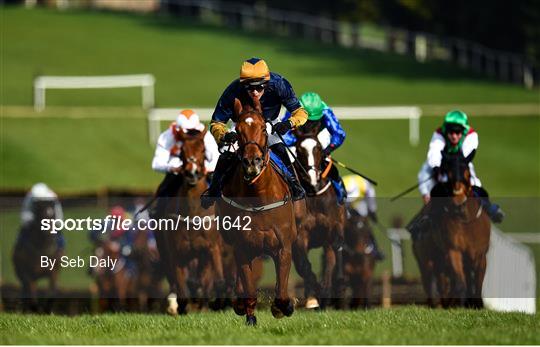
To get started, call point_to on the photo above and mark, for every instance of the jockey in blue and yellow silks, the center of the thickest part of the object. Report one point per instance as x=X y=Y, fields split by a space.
x=322 y=116
x=273 y=91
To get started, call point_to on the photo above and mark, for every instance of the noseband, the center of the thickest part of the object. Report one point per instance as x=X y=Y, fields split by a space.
x=264 y=150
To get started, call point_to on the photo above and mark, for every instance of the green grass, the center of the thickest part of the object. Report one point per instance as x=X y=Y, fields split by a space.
x=193 y=63
x=407 y=325
x=87 y=154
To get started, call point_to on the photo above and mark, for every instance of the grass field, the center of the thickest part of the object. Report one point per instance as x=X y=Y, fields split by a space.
x=192 y=64
x=87 y=140
x=407 y=325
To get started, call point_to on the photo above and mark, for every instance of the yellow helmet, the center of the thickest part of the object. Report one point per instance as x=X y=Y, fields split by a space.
x=254 y=69
x=356 y=187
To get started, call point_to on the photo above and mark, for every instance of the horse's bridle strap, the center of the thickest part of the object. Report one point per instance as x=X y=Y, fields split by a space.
x=325 y=188
x=255 y=208
x=327 y=169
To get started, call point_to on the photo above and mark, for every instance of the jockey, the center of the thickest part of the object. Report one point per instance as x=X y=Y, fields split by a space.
x=167 y=155
x=272 y=90
x=361 y=198
x=454 y=135
x=40 y=192
x=322 y=116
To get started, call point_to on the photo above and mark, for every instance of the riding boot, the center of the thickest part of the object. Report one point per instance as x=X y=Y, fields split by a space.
x=338 y=184
x=494 y=211
x=167 y=188
x=297 y=191
x=224 y=165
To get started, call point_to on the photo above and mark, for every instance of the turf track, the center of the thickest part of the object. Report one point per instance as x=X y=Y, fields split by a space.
x=406 y=325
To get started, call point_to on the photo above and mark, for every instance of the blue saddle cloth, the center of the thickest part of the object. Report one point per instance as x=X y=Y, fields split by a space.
x=279 y=164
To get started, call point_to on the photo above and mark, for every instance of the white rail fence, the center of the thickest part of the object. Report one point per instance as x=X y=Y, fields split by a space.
x=410 y=113
x=145 y=81
x=423 y=46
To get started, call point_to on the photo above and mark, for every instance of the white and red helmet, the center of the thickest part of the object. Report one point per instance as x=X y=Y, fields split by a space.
x=188 y=120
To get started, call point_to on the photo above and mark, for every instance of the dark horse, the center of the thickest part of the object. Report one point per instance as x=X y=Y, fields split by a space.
x=259 y=197
x=192 y=244
x=359 y=261
x=461 y=232
x=322 y=225
x=31 y=245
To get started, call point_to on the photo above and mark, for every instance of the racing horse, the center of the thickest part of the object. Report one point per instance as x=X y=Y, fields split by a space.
x=358 y=259
x=258 y=198
x=113 y=286
x=462 y=232
x=429 y=258
x=322 y=225
x=200 y=242
x=32 y=243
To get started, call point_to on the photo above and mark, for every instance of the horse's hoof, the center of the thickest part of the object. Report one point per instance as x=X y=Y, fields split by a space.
x=282 y=308
x=251 y=320
x=276 y=312
x=172 y=311
x=312 y=303
x=238 y=307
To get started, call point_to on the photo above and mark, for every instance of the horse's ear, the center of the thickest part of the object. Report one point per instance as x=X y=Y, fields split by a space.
x=202 y=133
x=237 y=108
x=471 y=155
x=181 y=135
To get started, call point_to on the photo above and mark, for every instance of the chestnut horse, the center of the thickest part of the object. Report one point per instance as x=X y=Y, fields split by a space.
x=322 y=225
x=359 y=261
x=258 y=198
x=180 y=247
x=461 y=232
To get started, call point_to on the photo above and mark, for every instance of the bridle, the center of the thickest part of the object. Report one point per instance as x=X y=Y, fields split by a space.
x=319 y=173
x=458 y=209
x=199 y=173
x=264 y=150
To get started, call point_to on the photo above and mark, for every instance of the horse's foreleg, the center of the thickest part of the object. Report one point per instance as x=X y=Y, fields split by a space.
x=182 y=291
x=479 y=273
x=303 y=267
x=53 y=280
x=219 y=277
x=29 y=295
x=338 y=276
x=250 y=292
x=207 y=281
x=282 y=305
x=238 y=303
x=367 y=280
x=459 y=281
x=425 y=265
x=329 y=266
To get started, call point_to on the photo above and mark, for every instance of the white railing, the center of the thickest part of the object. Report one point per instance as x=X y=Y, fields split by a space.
x=42 y=83
x=412 y=113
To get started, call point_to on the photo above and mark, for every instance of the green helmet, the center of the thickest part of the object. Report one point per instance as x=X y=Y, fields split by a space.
x=456 y=117
x=313 y=105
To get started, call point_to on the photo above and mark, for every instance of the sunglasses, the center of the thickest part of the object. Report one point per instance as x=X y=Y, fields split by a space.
x=258 y=88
